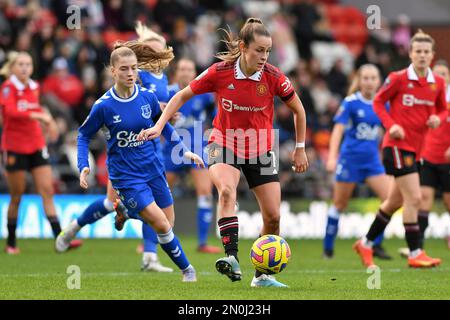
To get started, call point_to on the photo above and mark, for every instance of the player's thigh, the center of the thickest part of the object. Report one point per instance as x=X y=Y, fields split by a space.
x=161 y=193
x=379 y=184
x=202 y=181
x=342 y=192
x=225 y=178
x=135 y=196
x=42 y=177
x=409 y=186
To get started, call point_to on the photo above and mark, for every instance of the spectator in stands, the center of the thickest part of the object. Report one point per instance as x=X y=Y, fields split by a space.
x=66 y=89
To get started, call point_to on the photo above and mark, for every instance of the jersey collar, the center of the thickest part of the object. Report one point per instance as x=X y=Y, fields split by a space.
x=361 y=97
x=116 y=97
x=238 y=74
x=412 y=75
x=20 y=86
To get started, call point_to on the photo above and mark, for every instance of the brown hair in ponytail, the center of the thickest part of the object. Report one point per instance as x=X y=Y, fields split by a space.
x=252 y=27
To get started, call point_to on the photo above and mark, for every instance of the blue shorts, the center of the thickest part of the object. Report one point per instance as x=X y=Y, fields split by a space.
x=352 y=171
x=176 y=162
x=140 y=194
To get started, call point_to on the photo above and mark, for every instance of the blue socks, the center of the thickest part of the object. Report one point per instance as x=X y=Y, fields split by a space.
x=332 y=228
x=204 y=217
x=95 y=211
x=172 y=247
x=150 y=238
x=378 y=240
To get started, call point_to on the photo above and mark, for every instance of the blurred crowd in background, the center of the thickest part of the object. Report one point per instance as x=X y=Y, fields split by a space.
x=318 y=44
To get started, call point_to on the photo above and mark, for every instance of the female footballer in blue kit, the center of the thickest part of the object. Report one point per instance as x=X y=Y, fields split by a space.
x=358 y=160
x=153 y=78
x=136 y=172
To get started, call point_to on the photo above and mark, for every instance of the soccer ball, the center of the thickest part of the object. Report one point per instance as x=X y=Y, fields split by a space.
x=270 y=254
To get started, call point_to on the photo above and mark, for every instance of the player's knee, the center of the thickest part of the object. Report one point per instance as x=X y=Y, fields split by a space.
x=161 y=226
x=271 y=222
x=414 y=200
x=46 y=191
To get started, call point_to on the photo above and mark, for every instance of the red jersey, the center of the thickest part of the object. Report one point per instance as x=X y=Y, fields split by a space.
x=20 y=133
x=412 y=101
x=437 y=141
x=244 y=121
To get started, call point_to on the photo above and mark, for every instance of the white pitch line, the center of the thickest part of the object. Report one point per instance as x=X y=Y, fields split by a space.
x=207 y=273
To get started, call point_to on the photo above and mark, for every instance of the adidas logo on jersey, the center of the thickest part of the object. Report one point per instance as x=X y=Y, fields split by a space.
x=231 y=86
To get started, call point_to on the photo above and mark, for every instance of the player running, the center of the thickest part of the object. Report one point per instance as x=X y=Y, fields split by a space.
x=135 y=171
x=23 y=143
x=415 y=95
x=358 y=160
x=245 y=86
x=190 y=127
x=435 y=162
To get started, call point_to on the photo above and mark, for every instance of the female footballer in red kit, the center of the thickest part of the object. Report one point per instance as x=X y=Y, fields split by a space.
x=23 y=142
x=241 y=138
x=417 y=97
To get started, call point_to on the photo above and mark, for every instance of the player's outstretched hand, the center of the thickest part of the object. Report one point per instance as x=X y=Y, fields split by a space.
x=433 y=121
x=396 y=132
x=196 y=158
x=149 y=134
x=299 y=160
x=83 y=178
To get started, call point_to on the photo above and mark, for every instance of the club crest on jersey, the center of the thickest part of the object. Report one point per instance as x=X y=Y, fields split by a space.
x=409 y=160
x=261 y=89
x=146 y=111
x=132 y=203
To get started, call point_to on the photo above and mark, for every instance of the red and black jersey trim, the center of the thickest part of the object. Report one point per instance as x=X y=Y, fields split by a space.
x=288 y=97
x=224 y=65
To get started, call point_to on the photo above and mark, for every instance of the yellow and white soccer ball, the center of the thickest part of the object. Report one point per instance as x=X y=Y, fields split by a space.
x=270 y=254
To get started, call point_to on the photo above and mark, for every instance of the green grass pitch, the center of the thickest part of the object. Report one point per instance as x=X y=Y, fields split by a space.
x=110 y=269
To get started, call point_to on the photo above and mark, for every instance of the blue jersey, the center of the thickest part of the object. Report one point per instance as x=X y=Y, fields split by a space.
x=193 y=110
x=362 y=128
x=155 y=83
x=122 y=120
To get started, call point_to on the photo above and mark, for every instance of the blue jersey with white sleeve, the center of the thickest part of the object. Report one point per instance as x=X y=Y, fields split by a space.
x=362 y=127
x=122 y=119
x=359 y=156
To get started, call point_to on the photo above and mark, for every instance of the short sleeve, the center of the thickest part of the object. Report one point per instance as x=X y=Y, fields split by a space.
x=284 y=89
x=342 y=116
x=205 y=82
